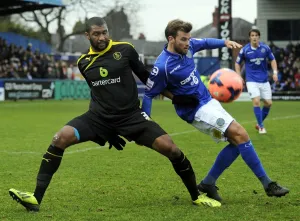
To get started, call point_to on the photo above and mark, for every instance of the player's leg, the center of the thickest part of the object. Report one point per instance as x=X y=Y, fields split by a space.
x=266 y=95
x=224 y=159
x=239 y=137
x=254 y=92
x=146 y=132
x=77 y=130
x=213 y=120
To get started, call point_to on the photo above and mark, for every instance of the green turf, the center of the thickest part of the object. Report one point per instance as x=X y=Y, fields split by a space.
x=137 y=183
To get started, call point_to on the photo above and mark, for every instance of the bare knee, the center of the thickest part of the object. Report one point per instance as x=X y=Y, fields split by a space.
x=64 y=138
x=268 y=103
x=256 y=101
x=166 y=147
x=236 y=134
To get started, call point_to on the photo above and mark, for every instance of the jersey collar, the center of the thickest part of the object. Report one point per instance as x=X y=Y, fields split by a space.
x=176 y=55
x=255 y=48
x=101 y=52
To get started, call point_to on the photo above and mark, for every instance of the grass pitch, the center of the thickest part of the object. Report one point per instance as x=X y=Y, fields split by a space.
x=95 y=183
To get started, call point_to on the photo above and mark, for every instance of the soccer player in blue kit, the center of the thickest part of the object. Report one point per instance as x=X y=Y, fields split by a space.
x=255 y=55
x=174 y=71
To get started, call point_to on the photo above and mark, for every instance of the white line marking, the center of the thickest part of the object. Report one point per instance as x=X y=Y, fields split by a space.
x=172 y=135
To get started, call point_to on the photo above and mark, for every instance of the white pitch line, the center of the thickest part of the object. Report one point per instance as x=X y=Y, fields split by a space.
x=172 y=135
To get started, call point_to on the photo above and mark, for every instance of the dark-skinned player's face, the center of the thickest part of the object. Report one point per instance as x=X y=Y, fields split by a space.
x=98 y=37
x=181 y=42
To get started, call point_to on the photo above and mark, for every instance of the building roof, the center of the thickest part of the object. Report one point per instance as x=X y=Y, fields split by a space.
x=20 y=6
x=240 y=29
x=147 y=48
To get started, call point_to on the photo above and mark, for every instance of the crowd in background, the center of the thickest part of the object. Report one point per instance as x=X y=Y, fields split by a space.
x=24 y=63
x=288 y=61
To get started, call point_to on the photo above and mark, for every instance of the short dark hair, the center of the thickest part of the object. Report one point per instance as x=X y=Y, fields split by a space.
x=98 y=21
x=177 y=25
x=254 y=30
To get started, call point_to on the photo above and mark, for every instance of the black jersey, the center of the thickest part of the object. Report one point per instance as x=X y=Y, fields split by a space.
x=109 y=75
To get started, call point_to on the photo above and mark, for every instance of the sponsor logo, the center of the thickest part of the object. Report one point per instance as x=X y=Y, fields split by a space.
x=103 y=72
x=178 y=66
x=117 y=55
x=257 y=61
x=192 y=78
x=21 y=86
x=106 y=82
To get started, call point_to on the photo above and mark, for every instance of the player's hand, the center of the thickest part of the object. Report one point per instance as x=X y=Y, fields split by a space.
x=275 y=78
x=186 y=100
x=232 y=44
x=117 y=142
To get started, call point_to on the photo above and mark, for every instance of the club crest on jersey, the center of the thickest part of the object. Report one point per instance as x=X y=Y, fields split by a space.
x=117 y=55
x=263 y=50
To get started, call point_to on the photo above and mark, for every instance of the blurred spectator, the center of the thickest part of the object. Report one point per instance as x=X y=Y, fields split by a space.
x=297 y=63
x=277 y=86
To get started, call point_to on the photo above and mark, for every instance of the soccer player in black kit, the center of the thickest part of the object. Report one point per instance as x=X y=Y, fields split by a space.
x=114 y=109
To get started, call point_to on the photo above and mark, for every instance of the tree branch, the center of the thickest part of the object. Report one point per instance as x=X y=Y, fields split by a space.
x=27 y=19
x=36 y=19
x=45 y=13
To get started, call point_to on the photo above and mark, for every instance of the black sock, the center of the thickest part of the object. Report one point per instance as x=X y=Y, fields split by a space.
x=183 y=168
x=50 y=163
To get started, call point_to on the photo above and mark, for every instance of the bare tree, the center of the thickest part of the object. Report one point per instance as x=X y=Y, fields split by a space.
x=75 y=10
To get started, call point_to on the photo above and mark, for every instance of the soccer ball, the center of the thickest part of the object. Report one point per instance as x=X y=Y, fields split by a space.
x=225 y=85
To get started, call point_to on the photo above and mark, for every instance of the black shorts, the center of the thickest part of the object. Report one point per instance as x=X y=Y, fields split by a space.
x=134 y=127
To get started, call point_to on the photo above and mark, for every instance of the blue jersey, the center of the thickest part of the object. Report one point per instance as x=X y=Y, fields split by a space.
x=255 y=62
x=178 y=74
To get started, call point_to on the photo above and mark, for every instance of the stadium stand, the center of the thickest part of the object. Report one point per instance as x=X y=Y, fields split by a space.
x=288 y=60
x=19 y=62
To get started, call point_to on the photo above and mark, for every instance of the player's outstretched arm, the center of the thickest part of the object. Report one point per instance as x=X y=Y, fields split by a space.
x=137 y=66
x=212 y=43
x=232 y=44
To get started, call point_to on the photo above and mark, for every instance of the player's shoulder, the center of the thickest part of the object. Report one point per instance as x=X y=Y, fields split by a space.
x=83 y=60
x=196 y=40
x=264 y=45
x=161 y=61
x=122 y=44
x=246 y=47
